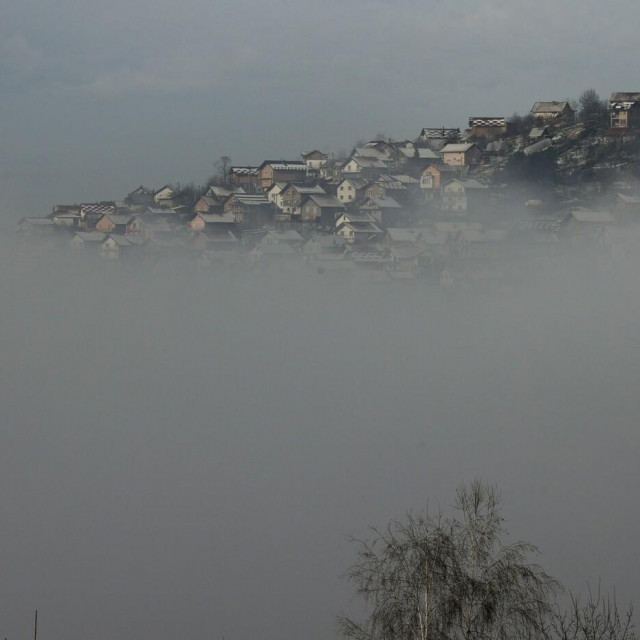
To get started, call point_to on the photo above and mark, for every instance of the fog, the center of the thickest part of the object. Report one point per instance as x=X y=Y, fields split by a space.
x=184 y=454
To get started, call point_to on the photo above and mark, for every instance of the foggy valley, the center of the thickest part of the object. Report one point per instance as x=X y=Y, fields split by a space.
x=186 y=453
x=229 y=396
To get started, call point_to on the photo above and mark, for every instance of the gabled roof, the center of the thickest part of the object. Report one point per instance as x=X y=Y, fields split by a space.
x=442 y=167
x=358 y=183
x=326 y=201
x=314 y=152
x=382 y=203
x=304 y=189
x=550 y=107
x=284 y=165
x=97 y=208
x=366 y=163
x=249 y=199
x=214 y=218
x=625 y=96
x=370 y=152
x=141 y=190
x=420 y=153
x=219 y=193
x=42 y=222
x=121 y=241
x=243 y=171
x=362 y=227
x=117 y=219
x=405 y=179
x=168 y=189
x=469 y=183
x=354 y=217
x=462 y=147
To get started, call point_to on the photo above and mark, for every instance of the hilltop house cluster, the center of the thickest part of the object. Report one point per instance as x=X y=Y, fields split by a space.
x=431 y=205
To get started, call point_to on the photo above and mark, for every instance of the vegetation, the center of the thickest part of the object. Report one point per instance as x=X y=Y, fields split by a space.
x=434 y=577
x=592 y=107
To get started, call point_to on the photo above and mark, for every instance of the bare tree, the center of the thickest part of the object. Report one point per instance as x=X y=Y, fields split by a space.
x=597 y=619
x=221 y=166
x=591 y=107
x=430 y=578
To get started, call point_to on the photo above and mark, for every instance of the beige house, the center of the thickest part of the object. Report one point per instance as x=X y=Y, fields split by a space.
x=460 y=195
x=350 y=189
x=550 y=112
x=459 y=155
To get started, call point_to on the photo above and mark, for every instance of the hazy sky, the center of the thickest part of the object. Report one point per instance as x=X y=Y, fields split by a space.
x=97 y=97
x=184 y=455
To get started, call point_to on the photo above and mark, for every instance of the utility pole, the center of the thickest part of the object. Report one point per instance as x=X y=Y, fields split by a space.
x=35 y=627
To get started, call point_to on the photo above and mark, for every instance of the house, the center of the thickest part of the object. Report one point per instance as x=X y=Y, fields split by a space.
x=463 y=194
x=36 y=226
x=358 y=228
x=150 y=226
x=212 y=221
x=371 y=151
x=272 y=171
x=360 y=232
x=537 y=133
x=219 y=193
x=252 y=211
x=243 y=177
x=624 y=110
x=437 y=173
x=90 y=213
x=206 y=204
x=437 y=138
x=291 y=197
x=114 y=246
x=289 y=237
x=461 y=154
x=274 y=193
x=319 y=245
x=67 y=217
x=382 y=146
x=350 y=189
x=386 y=210
x=215 y=246
x=164 y=196
x=364 y=167
x=113 y=223
x=552 y=112
x=487 y=127
x=85 y=240
x=321 y=208
x=140 y=197
x=315 y=160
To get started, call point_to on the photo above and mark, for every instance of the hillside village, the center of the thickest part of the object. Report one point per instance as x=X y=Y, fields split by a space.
x=485 y=204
